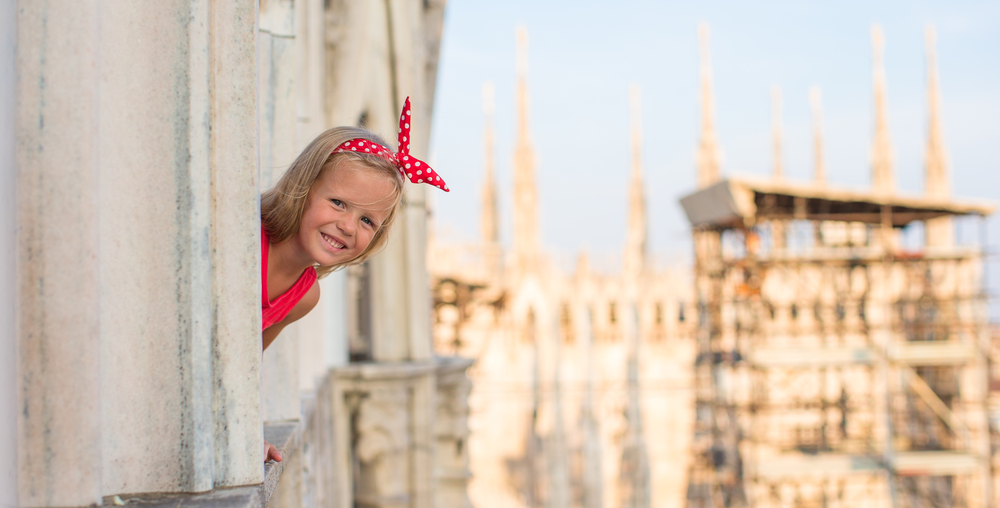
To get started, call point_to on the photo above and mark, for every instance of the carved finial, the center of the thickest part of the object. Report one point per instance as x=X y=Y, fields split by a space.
x=882 y=177
x=525 y=193
x=635 y=247
x=816 y=105
x=521 y=33
x=708 y=150
x=939 y=232
x=488 y=221
x=582 y=264
x=779 y=172
x=937 y=183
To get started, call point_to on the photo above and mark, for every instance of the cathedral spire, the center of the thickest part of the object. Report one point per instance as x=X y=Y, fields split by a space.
x=635 y=247
x=816 y=105
x=937 y=183
x=779 y=171
x=882 y=177
x=489 y=220
x=526 y=235
x=708 y=150
x=940 y=231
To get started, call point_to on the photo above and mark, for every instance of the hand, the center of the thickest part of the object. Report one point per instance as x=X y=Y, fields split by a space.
x=272 y=452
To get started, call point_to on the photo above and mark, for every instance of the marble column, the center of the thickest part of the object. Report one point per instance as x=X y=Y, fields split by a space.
x=277 y=68
x=8 y=225
x=138 y=353
x=451 y=453
x=55 y=435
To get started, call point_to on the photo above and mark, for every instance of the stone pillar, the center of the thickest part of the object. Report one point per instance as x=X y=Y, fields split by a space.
x=311 y=100
x=277 y=68
x=634 y=472
x=592 y=492
x=50 y=285
x=137 y=216
x=236 y=244
x=278 y=148
x=335 y=328
x=451 y=453
x=383 y=440
x=8 y=236
x=556 y=449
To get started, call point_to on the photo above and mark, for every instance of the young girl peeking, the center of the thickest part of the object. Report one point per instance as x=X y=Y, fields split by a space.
x=333 y=207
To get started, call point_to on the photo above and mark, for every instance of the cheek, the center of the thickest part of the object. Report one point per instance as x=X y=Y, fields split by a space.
x=315 y=216
x=366 y=240
x=307 y=221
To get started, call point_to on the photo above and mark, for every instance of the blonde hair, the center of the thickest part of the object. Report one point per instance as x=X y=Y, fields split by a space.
x=282 y=205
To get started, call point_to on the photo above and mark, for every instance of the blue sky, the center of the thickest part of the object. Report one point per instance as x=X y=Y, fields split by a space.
x=583 y=56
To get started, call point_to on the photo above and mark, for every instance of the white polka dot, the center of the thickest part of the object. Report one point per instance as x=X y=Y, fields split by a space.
x=404 y=138
x=418 y=171
x=406 y=157
x=407 y=166
x=362 y=143
x=420 y=180
x=407 y=112
x=418 y=163
x=438 y=178
x=367 y=150
x=409 y=175
x=354 y=149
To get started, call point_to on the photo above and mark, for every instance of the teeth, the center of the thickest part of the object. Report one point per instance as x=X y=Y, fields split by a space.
x=332 y=242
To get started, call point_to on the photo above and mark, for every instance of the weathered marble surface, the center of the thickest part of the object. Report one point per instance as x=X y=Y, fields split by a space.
x=138 y=174
x=8 y=224
x=138 y=224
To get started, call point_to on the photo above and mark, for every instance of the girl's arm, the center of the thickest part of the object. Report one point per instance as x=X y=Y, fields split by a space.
x=302 y=308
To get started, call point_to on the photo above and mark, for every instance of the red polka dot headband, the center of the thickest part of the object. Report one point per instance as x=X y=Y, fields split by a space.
x=417 y=171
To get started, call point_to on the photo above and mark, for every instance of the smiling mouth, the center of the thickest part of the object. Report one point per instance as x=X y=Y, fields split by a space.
x=333 y=242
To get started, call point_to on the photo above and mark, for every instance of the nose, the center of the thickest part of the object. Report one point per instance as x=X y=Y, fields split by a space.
x=347 y=225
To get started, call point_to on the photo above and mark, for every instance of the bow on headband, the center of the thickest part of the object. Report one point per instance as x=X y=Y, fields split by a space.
x=413 y=169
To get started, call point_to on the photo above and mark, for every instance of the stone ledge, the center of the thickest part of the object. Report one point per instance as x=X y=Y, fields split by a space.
x=386 y=370
x=287 y=436
x=401 y=370
x=250 y=496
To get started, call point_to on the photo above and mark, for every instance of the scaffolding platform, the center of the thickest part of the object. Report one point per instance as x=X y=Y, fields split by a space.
x=913 y=354
x=739 y=201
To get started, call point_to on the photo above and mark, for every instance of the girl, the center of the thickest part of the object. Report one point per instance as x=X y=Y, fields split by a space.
x=332 y=208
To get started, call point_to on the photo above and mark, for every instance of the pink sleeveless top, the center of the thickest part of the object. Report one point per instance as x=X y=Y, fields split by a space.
x=276 y=310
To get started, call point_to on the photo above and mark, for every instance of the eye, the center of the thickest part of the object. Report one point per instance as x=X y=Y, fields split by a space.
x=368 y=221
x=337 y=202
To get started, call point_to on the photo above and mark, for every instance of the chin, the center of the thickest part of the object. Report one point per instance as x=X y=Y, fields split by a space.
x=330 y=258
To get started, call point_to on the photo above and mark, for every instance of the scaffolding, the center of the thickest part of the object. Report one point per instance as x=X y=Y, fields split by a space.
x=835 y=368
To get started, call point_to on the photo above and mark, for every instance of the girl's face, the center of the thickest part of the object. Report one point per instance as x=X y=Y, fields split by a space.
x=345 y=207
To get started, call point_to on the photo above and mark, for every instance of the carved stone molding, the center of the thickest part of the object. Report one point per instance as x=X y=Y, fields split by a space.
x=381 y=445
